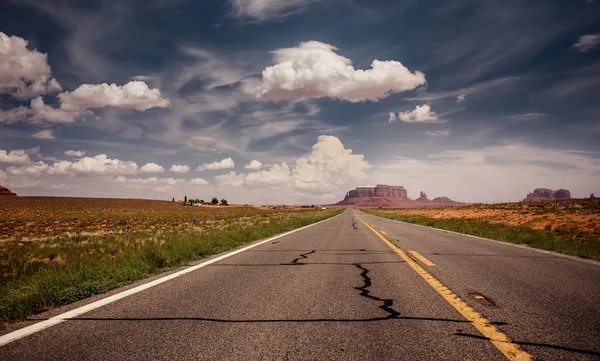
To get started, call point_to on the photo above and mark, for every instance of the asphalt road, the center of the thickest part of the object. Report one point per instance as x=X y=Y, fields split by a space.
x=337 y=291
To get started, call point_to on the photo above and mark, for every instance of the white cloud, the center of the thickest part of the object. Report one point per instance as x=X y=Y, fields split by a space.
x=24 y=73
x=75 y=153
x=14 y=114
x=461 y=98
x=152 y=168
x=253 y=165
x=20 y=156
x=133 y=95
x=176 y=168
x=63 y=114
x=98 y=165
x=262 y=10
x=198 y=181
x=392 y=117
x=230 y=179
x=314 y=70
x=276 y=175
x=150 y=181
x=437 y=133
x=45 y=134
x=329 y=167
x=587 y=42
x=421 y=114
x=222 y=164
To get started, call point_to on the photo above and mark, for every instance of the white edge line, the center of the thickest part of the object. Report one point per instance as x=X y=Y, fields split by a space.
x=29 y=330
x=574 y=258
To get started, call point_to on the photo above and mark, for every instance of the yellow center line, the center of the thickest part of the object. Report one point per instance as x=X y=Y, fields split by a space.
x=511 y=351
x=421 y=258
x=384 y=233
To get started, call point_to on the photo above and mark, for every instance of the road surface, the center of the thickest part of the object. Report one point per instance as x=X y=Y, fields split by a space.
x=339 y=291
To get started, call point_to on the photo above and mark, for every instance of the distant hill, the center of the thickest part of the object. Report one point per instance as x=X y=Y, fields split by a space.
x=384 y=196
x=6 y=192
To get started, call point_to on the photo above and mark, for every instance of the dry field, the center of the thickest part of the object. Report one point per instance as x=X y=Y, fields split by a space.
x=42 y=219
x=564 y=220
x=567 y=226
x=58 y=250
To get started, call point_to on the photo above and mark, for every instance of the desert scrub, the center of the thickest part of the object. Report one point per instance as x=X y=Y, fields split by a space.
x=51 y=255
x=573 y=239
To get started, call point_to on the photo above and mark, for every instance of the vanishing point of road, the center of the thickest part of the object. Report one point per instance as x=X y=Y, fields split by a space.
x=354 y=287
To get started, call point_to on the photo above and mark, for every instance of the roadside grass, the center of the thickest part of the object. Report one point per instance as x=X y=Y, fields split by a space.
x=568 y=241
x=42 y=275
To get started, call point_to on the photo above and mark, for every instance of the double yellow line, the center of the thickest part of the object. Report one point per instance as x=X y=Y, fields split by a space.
x=499 y=339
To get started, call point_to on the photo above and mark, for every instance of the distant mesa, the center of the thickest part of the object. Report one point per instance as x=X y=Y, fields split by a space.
x=384 y=196
x=6 y=192
x=544 y=194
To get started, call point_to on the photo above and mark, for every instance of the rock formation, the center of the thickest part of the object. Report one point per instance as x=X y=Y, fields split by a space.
x=423 y=198
x=385 y=196
x=544 y=194
x=6 y=192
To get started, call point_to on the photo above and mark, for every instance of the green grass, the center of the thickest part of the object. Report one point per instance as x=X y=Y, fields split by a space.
x=543 y=239
x=45 y=285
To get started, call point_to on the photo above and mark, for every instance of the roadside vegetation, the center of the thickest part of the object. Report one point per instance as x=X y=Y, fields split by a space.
x=567 y=226
x=54 y=251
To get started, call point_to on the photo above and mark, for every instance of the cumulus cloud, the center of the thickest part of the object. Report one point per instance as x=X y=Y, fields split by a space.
x=98 y=165
x=45 y=134
x=329 y=167
x=230 y=179
x=63 y=114
x=587 y=42
x=20 y=156
x=14 y=115
x=24 y=73
x=133 y=95
x=222 y=164
x=75 y=153
x=276 y=175
x=152 y=168
x=421 y=114
x=314 y=70
x=198 y=181
x=176 y=168
x=262 y=10
x=253 y=165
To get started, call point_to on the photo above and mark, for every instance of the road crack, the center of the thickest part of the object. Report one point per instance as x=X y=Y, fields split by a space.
x=296 y=261
x=365 y=292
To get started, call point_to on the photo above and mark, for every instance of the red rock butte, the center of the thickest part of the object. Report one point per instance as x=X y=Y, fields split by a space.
x=384 y=196
x=6 y=192
x=544 y=194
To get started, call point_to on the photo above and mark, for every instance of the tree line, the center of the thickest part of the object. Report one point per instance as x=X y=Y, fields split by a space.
x=215 y=201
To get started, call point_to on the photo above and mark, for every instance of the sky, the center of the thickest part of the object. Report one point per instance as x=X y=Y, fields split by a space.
x=299 y=101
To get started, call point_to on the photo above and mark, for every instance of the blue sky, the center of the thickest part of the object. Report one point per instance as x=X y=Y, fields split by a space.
x=475 y=100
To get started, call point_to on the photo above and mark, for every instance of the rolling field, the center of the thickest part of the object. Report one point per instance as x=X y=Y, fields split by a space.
x=54 y=251
x=569 y=226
